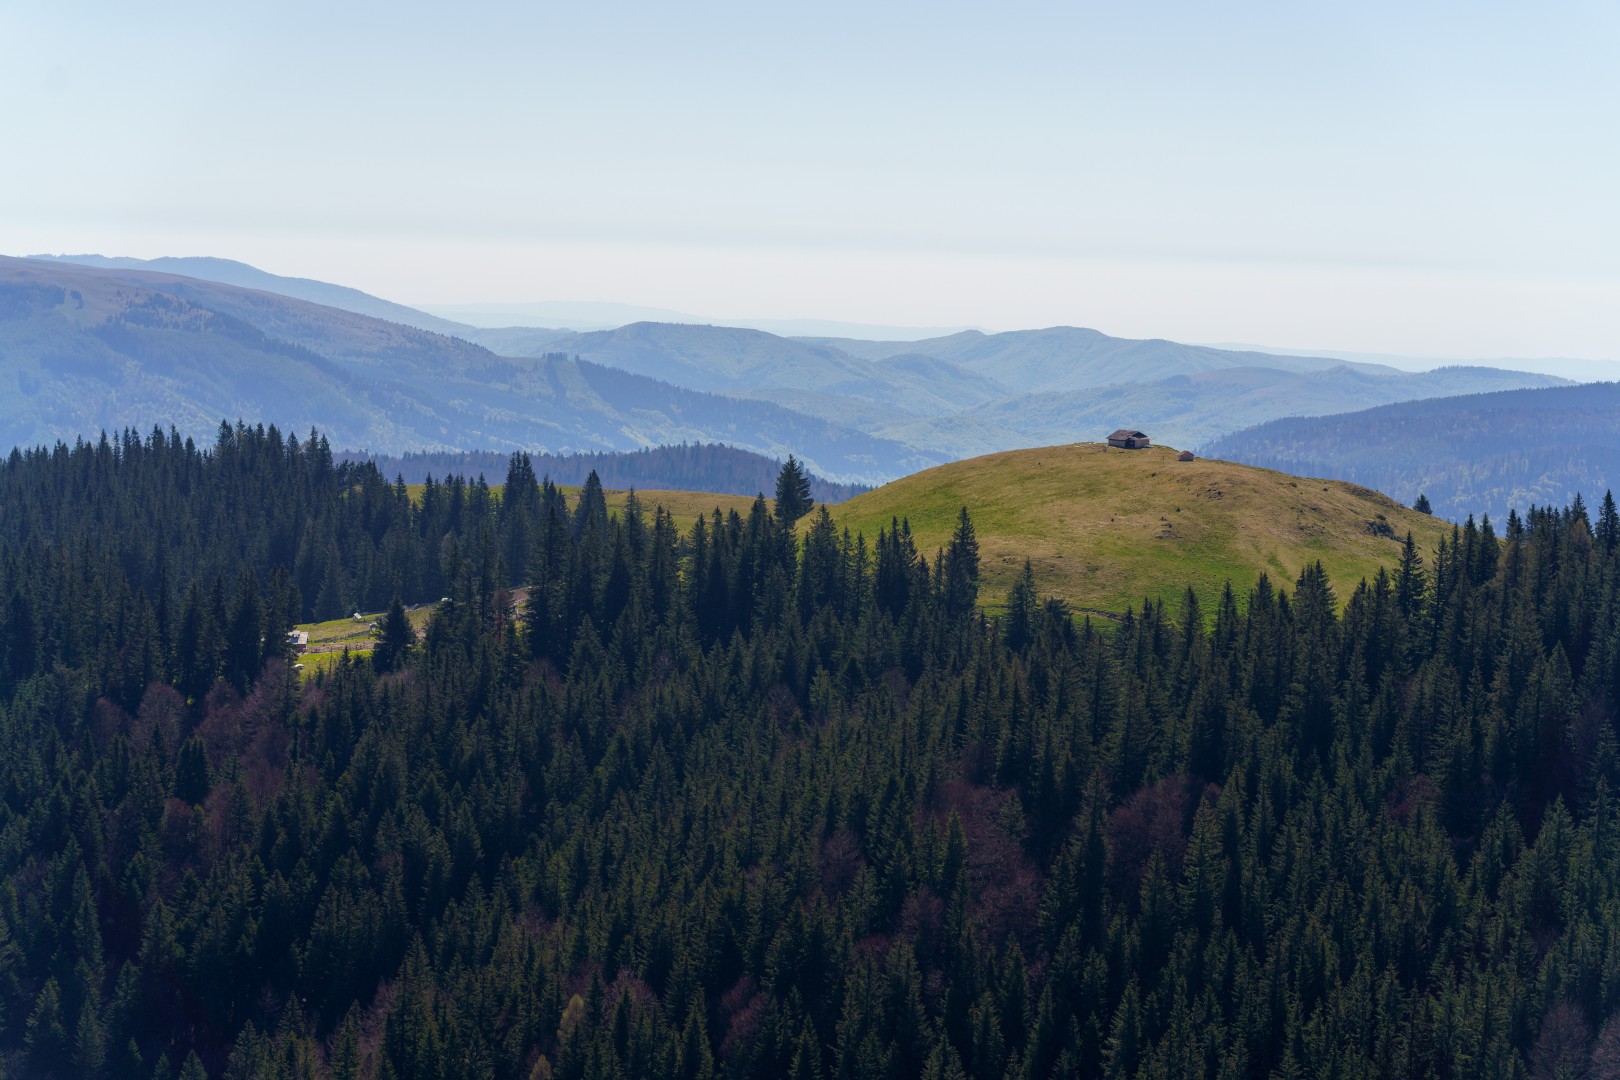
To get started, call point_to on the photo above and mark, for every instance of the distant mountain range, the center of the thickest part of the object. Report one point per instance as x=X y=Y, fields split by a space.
x=598 y=315
x=1475 y=454
x=1577 y=369
x=85 y=349
x=1189 y=410
x=455 y=318
x=191 y=341
x=973 y=393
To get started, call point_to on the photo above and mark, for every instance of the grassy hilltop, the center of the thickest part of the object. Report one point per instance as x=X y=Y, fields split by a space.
x=1102 y=527
x=1105 y=527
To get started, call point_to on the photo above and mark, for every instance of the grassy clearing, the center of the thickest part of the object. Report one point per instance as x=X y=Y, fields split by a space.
x=328 y=640
x=317 y=663
x=683 y=506
x=337 y=634
x=414 y=492
x=1105 y=528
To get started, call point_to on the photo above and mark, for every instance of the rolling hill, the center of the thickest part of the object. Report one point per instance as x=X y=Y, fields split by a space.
x=1105 y=528
x=1476 y=453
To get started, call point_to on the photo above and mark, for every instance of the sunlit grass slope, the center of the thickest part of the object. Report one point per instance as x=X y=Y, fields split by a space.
x=683 y=506
x=1105 y=528
x=329 y=640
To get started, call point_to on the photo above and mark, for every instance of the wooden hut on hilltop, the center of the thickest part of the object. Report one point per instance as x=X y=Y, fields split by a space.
x=1127 y=439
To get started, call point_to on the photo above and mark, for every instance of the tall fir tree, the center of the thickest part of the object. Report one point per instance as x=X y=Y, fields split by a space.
x=793 y=499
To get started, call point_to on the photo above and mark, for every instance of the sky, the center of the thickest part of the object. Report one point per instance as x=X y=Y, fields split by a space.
x=1419 y=178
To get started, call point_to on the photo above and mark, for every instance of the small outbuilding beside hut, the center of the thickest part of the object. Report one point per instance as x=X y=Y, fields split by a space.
x=1127 y=439
x=1186 y=455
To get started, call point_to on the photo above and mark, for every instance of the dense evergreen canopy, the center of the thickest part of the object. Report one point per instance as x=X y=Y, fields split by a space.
x=730 y=800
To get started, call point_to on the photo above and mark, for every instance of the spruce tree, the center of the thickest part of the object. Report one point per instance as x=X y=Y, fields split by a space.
x=961 y=572
x=193 y=1068
x=1422 y=505
x=1608 y=529
x=191 y=775
x=397 y=638
x=1022 y=607
x=591 y=511
x=793 y=499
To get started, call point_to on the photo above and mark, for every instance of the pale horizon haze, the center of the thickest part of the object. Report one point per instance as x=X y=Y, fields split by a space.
x=1420 y=179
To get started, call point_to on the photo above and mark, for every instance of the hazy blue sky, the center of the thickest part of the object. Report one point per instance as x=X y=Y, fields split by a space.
x=1440 y=179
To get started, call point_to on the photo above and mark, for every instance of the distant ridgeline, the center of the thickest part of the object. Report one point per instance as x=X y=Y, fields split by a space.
x=710 y=467
x=1478 y=453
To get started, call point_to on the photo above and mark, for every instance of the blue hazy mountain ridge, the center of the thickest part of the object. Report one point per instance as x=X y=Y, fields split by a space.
x=862 y=410
x=919 y=391
x=1575 y=369
x=973 y=392
x=1472 y=454
x=709 y=358
x=520 y=340
x=1074 y=358
x=231 y=272
x=1190 y=410
x=582 y=315
x=753 y=363
x=1010 y=363
x=84 y=349
x=575 y=316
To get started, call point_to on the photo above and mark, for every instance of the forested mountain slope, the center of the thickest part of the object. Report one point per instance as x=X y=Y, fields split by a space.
x=231 y=272
x=723 y=804
x=83 y=350
x=1480 y=453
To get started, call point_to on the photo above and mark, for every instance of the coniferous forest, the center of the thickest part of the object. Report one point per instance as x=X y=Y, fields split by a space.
x=734 y=798
x=712 y=467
